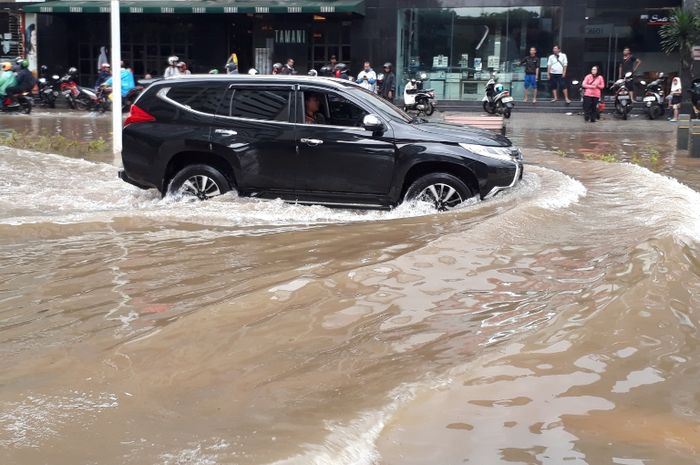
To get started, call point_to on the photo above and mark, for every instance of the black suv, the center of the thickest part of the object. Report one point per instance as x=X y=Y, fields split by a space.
x=305 y=139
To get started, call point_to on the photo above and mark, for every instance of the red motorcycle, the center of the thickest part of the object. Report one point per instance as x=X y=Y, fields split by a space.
x=78 y=97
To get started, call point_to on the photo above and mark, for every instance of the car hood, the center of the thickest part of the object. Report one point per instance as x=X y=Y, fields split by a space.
x=455 y=133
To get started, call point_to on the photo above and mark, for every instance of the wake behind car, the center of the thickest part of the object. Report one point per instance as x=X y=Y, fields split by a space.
x=307 y=140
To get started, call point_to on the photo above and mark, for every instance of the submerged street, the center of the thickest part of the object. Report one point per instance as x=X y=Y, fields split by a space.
x=554 y=323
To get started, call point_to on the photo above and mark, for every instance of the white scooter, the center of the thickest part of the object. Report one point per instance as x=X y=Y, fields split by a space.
x=419 y=99
x=497 y=99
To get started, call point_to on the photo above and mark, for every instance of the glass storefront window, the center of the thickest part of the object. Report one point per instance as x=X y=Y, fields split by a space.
x=459 y=48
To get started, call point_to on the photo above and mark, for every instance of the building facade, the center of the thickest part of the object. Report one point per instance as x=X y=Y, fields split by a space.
x=458 y=43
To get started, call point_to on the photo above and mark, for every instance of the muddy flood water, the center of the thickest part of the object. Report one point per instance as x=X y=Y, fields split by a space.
x=557 y=323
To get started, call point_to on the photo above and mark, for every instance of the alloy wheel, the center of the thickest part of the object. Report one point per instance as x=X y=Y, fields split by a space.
x=443 y=196
x=200 y=186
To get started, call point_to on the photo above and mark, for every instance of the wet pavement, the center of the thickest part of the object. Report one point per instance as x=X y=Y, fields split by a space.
x=557 y=323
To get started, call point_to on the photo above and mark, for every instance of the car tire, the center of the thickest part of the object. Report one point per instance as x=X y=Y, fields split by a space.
x=444 y=190
x=199 y=181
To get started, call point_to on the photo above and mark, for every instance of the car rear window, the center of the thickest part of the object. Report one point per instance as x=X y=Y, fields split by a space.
x=200 y=97
x=268 y=105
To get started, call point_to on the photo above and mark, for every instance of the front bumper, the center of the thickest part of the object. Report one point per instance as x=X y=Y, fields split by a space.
x=517 y=176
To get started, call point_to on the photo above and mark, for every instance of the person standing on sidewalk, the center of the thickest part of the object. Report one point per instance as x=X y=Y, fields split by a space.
x=532 y=73
x=289 y=67
x=556 y=68
x=388 y=86
x=676 y=94
x=367 y=78
x=592 y=85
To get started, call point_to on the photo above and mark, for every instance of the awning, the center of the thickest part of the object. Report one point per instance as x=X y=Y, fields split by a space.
x=202 y=7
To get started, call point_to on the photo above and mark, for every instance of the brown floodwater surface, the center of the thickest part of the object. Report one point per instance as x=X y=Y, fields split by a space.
x=557 y=323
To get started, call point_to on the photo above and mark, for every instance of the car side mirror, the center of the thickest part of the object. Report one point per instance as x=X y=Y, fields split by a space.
x=372 y=123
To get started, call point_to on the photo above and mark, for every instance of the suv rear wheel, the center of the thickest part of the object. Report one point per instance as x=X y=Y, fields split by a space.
x=200 y=181
x=441 y=189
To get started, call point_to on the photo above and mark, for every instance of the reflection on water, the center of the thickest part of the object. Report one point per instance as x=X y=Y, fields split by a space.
x=555 y=324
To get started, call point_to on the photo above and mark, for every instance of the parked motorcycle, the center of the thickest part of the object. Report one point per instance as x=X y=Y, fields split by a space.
x=654 y=97
x=78 y=97
x=21 y=102
x=49 y=88
x=419 y=99
x=497 y=100
x=623 y=101
x=694 y=92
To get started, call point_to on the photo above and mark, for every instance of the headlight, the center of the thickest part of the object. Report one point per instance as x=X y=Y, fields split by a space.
x=499 y=153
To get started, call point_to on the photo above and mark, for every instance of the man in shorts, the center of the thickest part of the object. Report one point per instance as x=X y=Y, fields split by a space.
x=532 y=73
x=556 y=68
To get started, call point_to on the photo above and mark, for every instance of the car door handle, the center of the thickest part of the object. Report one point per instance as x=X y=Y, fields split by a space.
x=311 y=142
x=225 y=132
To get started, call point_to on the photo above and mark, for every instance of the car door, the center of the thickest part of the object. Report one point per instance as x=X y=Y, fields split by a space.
x=337 y=156
x=253 y=130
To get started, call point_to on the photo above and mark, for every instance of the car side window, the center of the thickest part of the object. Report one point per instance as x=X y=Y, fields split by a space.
x=343 y=112
x=205 y=98
x=268 y=105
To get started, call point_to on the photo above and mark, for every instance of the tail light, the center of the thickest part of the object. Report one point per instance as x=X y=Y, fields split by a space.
x=138 y=115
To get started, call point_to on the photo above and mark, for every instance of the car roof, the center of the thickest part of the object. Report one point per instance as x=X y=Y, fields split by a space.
x=259 y=79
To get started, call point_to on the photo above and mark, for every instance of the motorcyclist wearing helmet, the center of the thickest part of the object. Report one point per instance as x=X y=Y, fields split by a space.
x=277 y=68
x=231 y=68
x=127 y=80
x=104 y=74
x=341 y=71
x=312 y=73
x=172 y=69
x=326 y=71
x=24 y=80
x=388 y=86
x=7 y=78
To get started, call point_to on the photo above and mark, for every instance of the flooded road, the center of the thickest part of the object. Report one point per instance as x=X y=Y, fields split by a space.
x=556 y=323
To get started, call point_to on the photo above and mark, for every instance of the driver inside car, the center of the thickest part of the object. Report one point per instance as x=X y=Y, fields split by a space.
x=312 y=105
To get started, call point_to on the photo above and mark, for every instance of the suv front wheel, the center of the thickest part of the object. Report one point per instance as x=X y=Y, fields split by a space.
x=199 y=181
x=440 y=189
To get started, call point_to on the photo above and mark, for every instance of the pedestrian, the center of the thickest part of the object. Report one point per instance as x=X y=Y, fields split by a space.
x=556 y=68
x=289 y=67
x=629 y=64
x=104 y=74
x=532 y=73
x=389 y=84
x=592 y=85
x=367 y=78
x=182 y=67
x=172 y=69
x=676 y=93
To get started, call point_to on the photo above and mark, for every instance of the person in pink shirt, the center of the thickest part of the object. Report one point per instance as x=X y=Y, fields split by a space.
x=593 y=84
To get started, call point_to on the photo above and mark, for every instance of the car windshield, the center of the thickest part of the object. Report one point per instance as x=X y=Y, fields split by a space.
x=386 y=108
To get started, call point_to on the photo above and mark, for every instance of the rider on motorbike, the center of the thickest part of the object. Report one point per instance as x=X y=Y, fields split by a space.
x=104 y=74
x=127 y=80
x=24 y=80
x=7 y=78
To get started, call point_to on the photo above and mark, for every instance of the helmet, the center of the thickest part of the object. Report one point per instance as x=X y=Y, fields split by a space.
x=214 y=71
x=380 y=77
x=24 y=64
x=7 y=66
x=18 y=60
x=277 y=66
x=72 y=70
x=312 y=73
x=252 y=71
x=105 y=65
x=423 y=76
x=44 y=68
x=172 y=60
x=388 y=65
x=182 y=64
x=498 y=87
x=325 y=71
x=413 y=81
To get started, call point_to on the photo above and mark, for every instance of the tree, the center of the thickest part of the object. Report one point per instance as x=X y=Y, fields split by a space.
x=681 y=35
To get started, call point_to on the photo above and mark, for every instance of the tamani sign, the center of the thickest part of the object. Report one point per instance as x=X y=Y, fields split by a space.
x=290 y=36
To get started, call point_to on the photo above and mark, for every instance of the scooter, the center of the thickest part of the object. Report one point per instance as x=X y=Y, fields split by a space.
x=695 y=97
x=623 y=102
x=104 y=98
x=78 y=97
x=419 y=99
x=21 y=102
x=48 y=88
x=497 y=100
x=654 y=97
